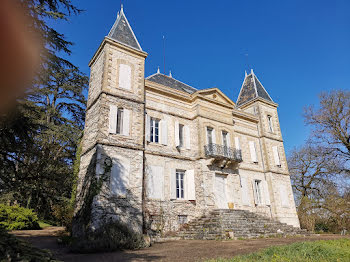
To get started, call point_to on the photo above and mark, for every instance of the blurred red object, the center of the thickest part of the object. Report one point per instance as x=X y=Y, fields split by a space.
x=19 y=52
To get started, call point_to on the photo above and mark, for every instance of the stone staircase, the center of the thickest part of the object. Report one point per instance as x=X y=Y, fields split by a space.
x=232 y=224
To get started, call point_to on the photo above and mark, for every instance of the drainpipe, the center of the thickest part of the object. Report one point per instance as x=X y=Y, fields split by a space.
x=144 y=229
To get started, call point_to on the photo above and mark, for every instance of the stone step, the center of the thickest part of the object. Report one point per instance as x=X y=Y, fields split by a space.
x=220 y=223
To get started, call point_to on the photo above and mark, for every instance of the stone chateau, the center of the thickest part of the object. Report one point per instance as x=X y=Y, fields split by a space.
x=169 y=153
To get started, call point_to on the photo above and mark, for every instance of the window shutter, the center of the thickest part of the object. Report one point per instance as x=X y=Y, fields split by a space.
x=99 y=169
x=148 y=128
x=266 y=193
x=164 y=131
x=276 y=156
x=119 y=179
x=213 y=136
x=187 y=137
x=245 y=192
x=284 y=196
x=113 y=111
x=228 y=140
x=173 y=184
x=177 y=138
x=124 y=76
x=126 y=122
x=254 y=192
x=253 y=151
x=155 y=182
x=237 y=143
x=190 y=185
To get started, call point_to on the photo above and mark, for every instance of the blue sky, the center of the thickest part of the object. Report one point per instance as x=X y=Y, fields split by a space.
x=296 y=48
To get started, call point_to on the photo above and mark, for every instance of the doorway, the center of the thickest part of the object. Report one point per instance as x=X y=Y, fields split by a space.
x=220 y=191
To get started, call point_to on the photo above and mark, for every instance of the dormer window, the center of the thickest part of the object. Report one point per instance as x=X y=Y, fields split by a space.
x=269 y=120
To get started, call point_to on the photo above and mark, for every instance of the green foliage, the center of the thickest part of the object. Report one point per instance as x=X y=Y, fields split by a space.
x=18 y=218
x=317 y=251
x=38 y=140
x=112 y=236
x=12 y=249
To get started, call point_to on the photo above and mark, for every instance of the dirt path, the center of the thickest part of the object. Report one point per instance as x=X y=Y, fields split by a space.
x=184 y=250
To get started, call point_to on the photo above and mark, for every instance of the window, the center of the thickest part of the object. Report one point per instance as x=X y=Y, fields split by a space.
x=181 y=135
x=180 y=192
x=269 y=120
x=182 y=219
x=253 y=154
x=125 y=76
x=210 y=135
x=257 y=192
x=154 y=132
x=120 y=114
x=224 y=139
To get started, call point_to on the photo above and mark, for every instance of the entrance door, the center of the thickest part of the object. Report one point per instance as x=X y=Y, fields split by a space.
x=220 y=191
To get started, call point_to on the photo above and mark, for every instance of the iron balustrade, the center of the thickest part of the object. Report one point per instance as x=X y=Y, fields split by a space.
x=220 y=151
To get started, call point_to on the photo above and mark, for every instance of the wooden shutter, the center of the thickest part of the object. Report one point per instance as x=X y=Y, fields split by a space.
x=284 y=196
x=228 y=140
x=266 y=193
x=190 y=185
x=187 y=137
x=245 y=192
x=164 y=132
x=99 y=168
x=177 y=137
x=155 y=182
x=125 y=76
x=119 y=179
x=254 y=193
x=276 y=156
x=126 y=122
x=213 y=136
x=253 y=151
x=113 y=111
x=148 y=128
x=173 y=184
x=237 y=145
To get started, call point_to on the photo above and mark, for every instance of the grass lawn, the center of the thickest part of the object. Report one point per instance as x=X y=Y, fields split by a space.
x=320 y=251
x=43 y=224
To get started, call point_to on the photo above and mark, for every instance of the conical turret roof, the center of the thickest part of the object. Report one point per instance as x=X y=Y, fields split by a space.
x=122 y=32
x=251 y=89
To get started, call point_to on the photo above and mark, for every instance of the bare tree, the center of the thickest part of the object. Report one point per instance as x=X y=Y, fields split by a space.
x=331 y=123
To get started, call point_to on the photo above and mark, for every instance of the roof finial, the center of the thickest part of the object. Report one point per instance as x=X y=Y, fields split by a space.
x=245 y=73
x=170 y=75
x=158 y=71
x=121 y=8
x=251 y=71
x=118 y=15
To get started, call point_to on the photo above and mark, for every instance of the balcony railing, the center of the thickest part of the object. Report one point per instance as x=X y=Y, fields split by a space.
x=224 y=152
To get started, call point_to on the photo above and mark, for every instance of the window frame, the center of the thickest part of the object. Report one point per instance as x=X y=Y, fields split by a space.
x=258 y=191
x=180 y=187
x=120 y=120
x=154 y=130
x=270 y=124
x=210 y=137
x=181 y=135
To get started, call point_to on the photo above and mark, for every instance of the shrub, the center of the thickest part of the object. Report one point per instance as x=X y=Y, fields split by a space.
x=110 y=237
x=18 y=218
x=12 y=249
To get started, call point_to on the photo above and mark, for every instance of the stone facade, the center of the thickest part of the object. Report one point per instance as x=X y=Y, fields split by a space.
x=176 y=132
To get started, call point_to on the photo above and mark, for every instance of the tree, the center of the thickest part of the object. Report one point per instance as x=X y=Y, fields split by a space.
x=331 y=122
x=41 y=137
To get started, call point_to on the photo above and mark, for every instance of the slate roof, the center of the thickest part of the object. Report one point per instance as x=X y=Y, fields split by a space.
x=252 y=88
x=171 y=82
x=121 y=32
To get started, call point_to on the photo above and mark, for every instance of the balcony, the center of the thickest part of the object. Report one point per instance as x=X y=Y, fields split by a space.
x=223 y=152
